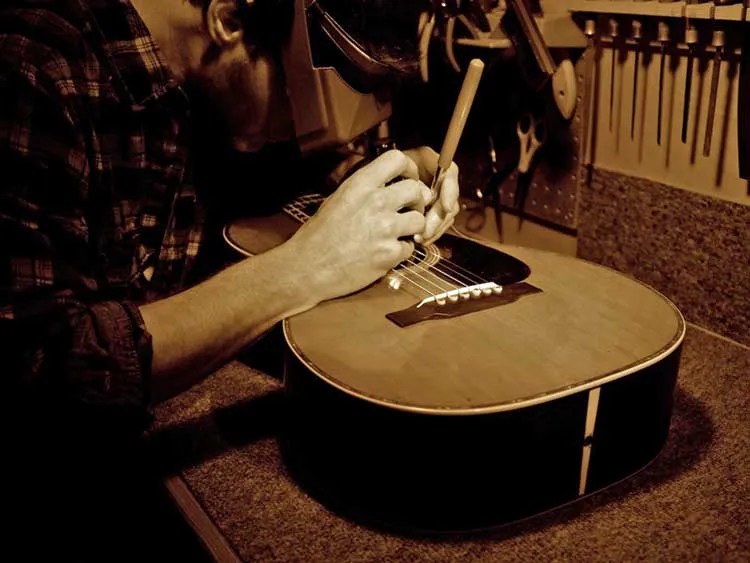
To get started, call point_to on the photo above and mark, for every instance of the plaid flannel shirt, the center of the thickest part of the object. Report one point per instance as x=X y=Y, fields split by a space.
x=96 y=212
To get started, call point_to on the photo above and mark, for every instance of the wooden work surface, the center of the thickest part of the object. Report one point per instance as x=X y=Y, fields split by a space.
x=691 y=504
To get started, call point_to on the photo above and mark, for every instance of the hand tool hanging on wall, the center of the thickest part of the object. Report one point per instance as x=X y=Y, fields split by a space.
x=718 y=44
x=613 y=33
x=663 y=40
x=588 y=92
x=663 y=37
x=532 y=134
x=743 y=99
x=637 y=37
x=536 y=61
x=691 y=38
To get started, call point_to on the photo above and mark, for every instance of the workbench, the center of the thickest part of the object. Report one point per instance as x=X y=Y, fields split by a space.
x=219 y=442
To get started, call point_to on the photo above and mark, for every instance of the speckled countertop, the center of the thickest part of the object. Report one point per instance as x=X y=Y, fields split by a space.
x=691 y=504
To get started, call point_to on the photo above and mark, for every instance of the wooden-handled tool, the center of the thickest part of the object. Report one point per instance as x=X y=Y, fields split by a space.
x=613 y=33
x=691 y=38
x=637 y=38
x=663 y=41
x=458 y=120
x=588 y=92
x=535 y=59
x=718 y=45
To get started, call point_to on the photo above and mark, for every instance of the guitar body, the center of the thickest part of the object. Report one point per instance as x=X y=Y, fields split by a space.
x=477 y=419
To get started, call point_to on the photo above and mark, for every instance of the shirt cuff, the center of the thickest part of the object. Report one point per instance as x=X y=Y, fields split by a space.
x=111 y=361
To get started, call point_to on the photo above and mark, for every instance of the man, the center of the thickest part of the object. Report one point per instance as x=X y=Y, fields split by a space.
x=99 y=223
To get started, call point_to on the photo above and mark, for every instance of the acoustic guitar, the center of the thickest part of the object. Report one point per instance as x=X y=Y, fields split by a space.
x=475 y=385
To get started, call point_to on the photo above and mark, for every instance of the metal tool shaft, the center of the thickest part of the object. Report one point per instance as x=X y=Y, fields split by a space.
x=663 y=39
x=613 y=33
x=686 y=98
x=691 y=38
x=637 y=38
x=718 y=44
x=588 y=93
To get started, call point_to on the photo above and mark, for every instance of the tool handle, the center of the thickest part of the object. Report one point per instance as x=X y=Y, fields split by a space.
x=717 y=40
x=637 y=30
x=533 y=35
x=663 y=32
x=614 y=28
x=691 y=34
x=589 y=29
x=460 y=113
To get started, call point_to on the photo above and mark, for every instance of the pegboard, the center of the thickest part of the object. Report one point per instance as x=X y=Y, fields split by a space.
x=553 y=189
x=552 y=184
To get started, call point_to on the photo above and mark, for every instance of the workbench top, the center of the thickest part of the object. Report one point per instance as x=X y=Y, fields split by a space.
x=691 y=504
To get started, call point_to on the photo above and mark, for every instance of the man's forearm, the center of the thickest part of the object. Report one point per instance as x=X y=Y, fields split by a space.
x=199 y=329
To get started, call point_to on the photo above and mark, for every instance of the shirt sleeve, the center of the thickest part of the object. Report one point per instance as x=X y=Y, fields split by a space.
x=57 y=335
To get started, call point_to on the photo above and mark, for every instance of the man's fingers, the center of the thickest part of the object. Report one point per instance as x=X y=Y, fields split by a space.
x=409 y=224
x=426 y=158
x=407 y=193
x=385 y=168
x=437 y=222
x=407 y=249
x=449 y=187
x=433 y=220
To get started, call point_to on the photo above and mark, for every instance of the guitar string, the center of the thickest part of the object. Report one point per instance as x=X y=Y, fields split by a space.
x=443 y=272
x=461 y=284
x=403 y=276
x=431 y=272
x=457 y=267
x=441 y=289
x=455 y=270
x=423 y=277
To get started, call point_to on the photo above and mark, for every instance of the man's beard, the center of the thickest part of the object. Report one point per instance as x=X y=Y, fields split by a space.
x=219 y=111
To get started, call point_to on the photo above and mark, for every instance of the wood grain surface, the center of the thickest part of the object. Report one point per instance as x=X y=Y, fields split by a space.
x=589 y=325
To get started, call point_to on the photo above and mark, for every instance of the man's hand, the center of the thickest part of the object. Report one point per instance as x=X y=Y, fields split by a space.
x=366 y=227
x=443 y=210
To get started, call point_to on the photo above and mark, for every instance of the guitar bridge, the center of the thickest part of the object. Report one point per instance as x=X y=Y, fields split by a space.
x=461 y=301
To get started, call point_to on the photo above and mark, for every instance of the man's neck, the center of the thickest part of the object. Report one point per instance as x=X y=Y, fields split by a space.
x=175 y=26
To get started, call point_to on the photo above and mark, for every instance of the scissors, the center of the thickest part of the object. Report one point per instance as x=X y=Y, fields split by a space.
x=532 y=134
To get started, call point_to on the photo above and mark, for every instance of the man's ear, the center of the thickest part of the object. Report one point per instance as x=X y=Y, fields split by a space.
x=223 y=25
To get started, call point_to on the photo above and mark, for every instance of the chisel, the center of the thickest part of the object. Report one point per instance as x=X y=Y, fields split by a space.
x=663 y=40
x=588 y=91
x=718 y=44
x=691 y=38
x=637 y=36
x=613 y=33
x=663 y=37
